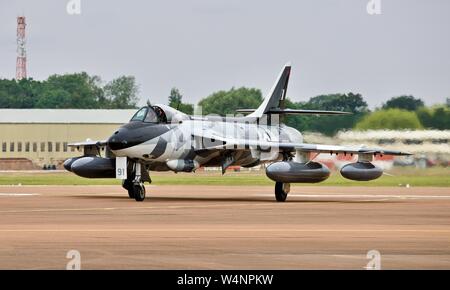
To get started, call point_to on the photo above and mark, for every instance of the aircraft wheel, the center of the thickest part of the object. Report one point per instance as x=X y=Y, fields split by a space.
x=128 y=185
x=139 y=192
x=130 y=193
x=281 y=191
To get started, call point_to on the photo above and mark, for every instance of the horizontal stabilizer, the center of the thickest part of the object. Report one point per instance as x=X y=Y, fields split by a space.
x=296 y=112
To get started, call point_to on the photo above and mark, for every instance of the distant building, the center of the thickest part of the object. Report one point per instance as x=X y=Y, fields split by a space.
x=414 y=141
x=34 y=138
x=429 y=146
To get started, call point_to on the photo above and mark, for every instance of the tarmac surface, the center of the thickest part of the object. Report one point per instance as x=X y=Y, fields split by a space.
x=224 y=227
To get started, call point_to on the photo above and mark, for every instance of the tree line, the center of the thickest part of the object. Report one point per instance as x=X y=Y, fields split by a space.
x=69 y=91
x=81 y=91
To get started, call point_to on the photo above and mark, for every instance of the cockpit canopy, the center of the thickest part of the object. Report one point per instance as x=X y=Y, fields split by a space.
x=150 y=114
x=159 y=113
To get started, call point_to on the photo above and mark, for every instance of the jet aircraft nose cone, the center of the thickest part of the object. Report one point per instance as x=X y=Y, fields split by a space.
x=135 y=133
x=118 y=140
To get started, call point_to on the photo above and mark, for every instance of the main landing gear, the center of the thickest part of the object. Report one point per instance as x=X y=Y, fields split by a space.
x=134 y=184
x=281 y=191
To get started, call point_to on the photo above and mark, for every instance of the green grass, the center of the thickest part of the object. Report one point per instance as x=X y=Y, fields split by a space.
x=402 y=176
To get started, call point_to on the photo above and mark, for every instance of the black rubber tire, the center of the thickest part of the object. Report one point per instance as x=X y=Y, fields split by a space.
x=139 y=192
x=280 y=193
x=130 y=193
x=128 y=185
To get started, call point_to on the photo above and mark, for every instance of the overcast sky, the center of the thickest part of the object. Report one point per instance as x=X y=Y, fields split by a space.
x=201 y=46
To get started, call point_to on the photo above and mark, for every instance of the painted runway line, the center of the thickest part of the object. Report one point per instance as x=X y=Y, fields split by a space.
x=232 y=229
x=18 y=194
x=132 y=208
x=384 y=196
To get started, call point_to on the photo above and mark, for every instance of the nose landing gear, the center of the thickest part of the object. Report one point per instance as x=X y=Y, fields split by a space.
x=135 y=190
x=139 y=191
x=134 y=184
x=128 y=185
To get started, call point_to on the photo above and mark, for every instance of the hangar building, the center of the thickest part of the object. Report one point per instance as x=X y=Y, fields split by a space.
x=34 y=138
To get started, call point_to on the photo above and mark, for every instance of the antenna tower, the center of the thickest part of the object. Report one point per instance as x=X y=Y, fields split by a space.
x=21 y=64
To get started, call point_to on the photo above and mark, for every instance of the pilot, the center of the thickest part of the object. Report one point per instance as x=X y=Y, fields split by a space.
x=161 y=114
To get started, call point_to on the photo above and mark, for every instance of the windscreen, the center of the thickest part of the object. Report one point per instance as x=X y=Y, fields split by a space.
x=147 y=115
x=140 y=115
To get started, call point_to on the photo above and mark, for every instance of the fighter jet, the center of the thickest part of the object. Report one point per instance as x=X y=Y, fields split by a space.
x=161 y=138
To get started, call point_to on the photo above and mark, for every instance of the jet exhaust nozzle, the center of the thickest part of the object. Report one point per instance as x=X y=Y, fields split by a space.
x=361 y=171
x=94 y=167
x=296 y=172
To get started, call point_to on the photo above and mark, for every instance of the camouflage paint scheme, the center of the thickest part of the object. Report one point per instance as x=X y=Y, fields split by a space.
x=161 y=138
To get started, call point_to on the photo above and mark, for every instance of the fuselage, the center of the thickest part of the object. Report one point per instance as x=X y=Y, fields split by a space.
x=157 y=143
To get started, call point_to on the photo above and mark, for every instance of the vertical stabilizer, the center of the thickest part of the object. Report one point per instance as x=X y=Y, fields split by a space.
x=277 y=95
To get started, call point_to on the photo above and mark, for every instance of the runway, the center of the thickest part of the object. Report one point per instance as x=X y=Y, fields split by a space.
x=224 y=227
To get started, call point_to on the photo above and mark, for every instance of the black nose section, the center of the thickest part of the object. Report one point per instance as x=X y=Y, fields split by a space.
x=135 y=133
x=121 y=139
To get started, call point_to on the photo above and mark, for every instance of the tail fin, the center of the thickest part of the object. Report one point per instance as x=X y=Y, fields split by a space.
x=274 y=102
x=275 y=99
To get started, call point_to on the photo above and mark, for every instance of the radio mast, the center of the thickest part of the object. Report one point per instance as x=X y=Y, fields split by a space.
x=21 y=63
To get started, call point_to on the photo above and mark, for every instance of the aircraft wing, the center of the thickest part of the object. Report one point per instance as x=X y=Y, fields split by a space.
x=89 y=147
x=305 y=147
x=88 y=143
x=319 y=148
